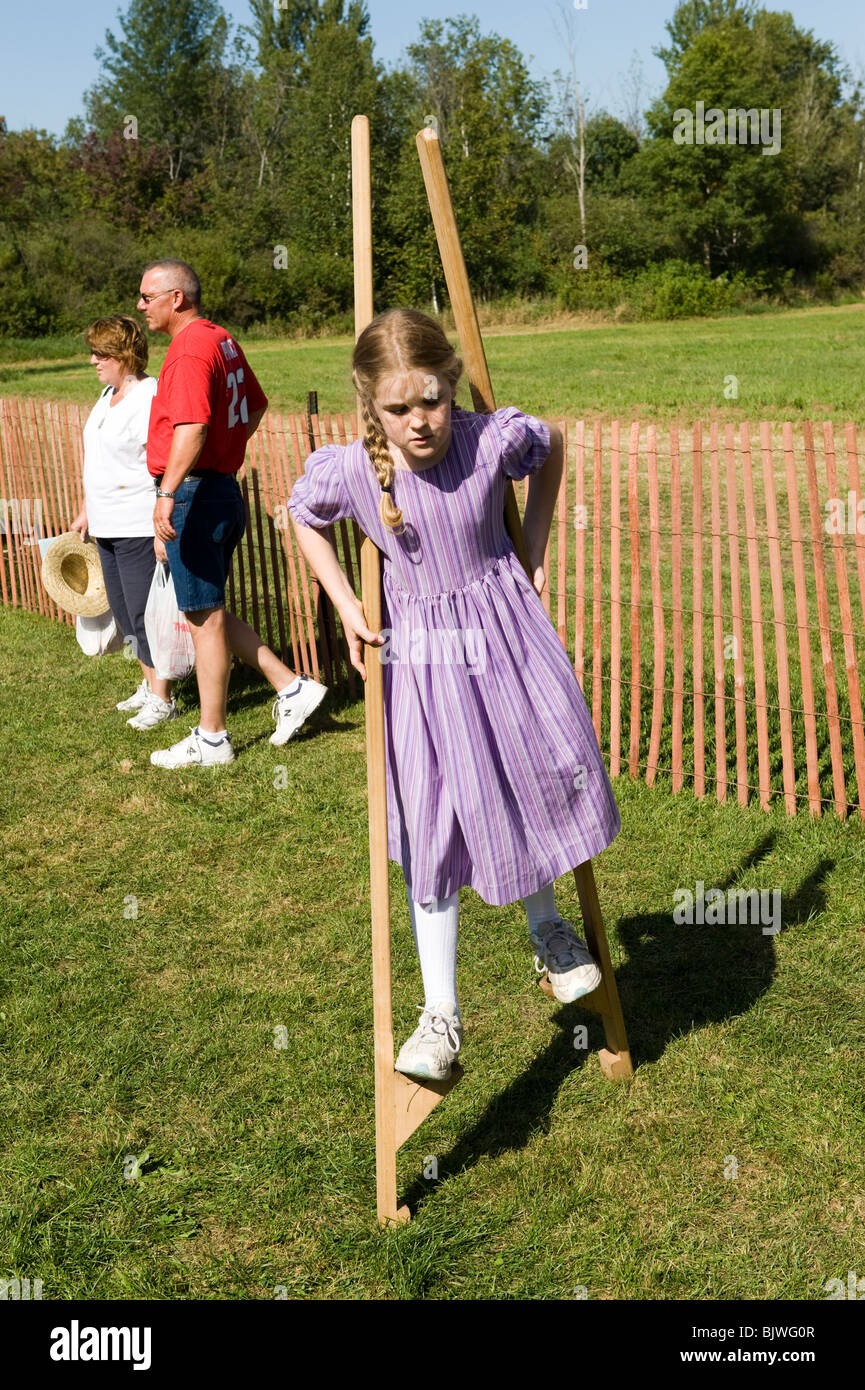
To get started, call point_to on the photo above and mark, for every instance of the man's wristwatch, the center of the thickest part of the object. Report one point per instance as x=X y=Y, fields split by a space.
x=160 y=493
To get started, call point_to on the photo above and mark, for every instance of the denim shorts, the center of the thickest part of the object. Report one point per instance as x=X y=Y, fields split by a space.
x=210 y=518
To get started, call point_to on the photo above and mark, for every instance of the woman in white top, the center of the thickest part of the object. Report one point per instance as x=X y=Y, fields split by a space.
x=118 y=498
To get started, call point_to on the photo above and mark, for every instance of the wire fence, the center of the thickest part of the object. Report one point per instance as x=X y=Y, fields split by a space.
x=708 y=584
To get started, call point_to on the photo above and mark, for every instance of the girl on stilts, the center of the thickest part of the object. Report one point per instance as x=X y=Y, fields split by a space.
x=494 y=775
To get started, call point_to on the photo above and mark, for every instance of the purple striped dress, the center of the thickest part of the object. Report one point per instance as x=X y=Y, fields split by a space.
x=494 y=775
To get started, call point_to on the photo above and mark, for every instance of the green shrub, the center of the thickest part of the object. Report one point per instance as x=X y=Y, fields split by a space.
x=677 y=290
x=596 y=287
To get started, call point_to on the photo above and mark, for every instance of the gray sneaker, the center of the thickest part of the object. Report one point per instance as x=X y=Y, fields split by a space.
x=571 y=969
x=431 y=1050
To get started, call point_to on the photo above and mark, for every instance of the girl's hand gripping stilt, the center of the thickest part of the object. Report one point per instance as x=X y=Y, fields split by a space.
x=356 y=631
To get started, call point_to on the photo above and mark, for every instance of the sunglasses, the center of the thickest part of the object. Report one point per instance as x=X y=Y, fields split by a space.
x=148 y=298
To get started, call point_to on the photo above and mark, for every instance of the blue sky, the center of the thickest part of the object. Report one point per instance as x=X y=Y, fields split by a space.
x=47 y=48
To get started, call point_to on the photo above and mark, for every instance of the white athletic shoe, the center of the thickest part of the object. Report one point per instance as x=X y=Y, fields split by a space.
x=432 y=1048
x=571 y=968
x=291 y=711
x=194 y=750
x=137 y=700
x=154 y=711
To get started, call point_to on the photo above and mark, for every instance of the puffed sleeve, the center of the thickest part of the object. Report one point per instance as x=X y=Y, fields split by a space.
x=320 y=496
x=525 y=442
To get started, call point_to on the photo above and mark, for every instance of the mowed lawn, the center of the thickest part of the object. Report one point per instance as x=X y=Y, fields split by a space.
x=787 y=366
x=186 y=1093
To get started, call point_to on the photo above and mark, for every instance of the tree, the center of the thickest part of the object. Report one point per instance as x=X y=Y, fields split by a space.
x=280 y=33
x=124 y=179
x=281 y=29
x=338 y=78
x=730 y=205
x=163 y=73
x=488 y=112
x=285 y=198
x=692 y=18
x=609 y=144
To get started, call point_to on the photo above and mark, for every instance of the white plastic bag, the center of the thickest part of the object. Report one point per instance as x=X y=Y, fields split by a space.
x=168 y=634
x=98 y=636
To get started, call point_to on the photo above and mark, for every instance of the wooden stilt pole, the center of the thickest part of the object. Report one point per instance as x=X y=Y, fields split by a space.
x=615 y=1059
x=400 y=1103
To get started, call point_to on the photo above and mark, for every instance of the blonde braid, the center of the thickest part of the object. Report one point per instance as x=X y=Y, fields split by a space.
x=375 y=443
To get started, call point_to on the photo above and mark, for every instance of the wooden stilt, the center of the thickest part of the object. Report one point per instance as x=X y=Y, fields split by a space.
x=615 y=1059
x=401 y=1104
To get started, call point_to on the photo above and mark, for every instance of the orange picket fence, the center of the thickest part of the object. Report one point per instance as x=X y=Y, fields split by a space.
x=709 y=585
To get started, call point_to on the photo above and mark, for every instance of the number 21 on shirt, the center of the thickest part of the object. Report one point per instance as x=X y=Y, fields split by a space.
x=234 y=380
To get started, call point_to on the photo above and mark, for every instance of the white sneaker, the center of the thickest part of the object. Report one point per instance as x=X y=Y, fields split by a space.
x=430 y=1051
x=194 y=750
x=154 y=711
x=290 y=711
x=571 y=968
x=137 y=700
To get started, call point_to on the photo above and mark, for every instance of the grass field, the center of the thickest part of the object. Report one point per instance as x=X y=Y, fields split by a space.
x=159 y=931
x=158 y=928
x=799 y=364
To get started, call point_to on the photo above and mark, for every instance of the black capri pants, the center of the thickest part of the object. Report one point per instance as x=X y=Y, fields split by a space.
x=128 y=564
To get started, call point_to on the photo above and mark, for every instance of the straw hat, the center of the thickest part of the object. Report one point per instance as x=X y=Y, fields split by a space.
x=72 y=575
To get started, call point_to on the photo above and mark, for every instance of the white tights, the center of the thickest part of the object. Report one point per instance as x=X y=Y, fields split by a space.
x=434 y=927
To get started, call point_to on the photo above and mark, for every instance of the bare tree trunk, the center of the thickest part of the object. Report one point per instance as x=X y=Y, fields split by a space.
x=581 y=187
x=574 y=112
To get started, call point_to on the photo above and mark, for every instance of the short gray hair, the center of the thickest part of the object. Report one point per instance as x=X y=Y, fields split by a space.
x=186 y=278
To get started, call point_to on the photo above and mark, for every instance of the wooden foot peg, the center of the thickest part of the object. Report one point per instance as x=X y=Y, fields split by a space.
x=402 y=1105
x=414 y=1100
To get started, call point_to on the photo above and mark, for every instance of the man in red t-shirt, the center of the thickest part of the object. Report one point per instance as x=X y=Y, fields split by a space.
x=208 y=403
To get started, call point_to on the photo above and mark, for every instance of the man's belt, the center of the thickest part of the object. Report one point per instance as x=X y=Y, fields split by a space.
x=193 y=473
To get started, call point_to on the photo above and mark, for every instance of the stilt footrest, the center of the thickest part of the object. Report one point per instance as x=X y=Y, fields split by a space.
x=414 y=1100
x=402 y=1105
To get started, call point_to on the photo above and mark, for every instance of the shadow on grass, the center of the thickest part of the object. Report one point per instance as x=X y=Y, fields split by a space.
x=676 y=979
